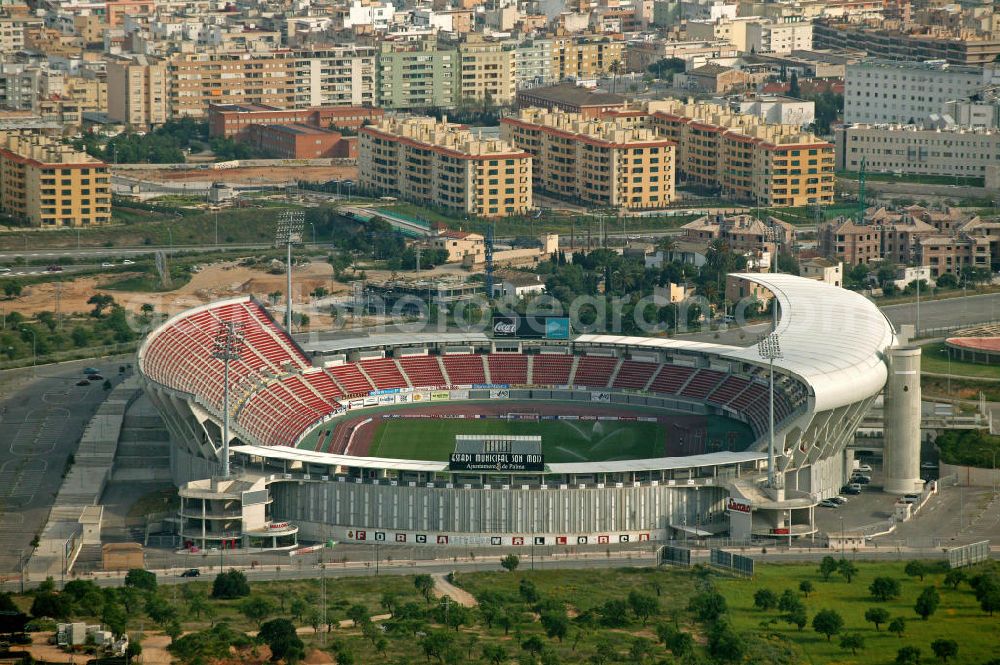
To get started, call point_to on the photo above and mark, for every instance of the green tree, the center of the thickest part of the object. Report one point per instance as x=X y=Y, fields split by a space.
x=798 y=617
x=724 y=644
x=230 y=585
x=877 y=616
x=101 y=302
x=12 y=288
x=793 y=86
x=141 y=579
x=280 y=637
x=827 y=567
x=613 y=613
x=806 y=587
x=884 y=588
x=510 y=562
x=789 y=601
x=847 y=569
x=916 y=569
x=908 y=655
x=494 y=653
x=52 y=605
x=358 y=614
x=765 y=599
x=528 y=591
x=707 y=606
x=944 y=648
x=954 y=577
x=424 y=585
x=436 y=644
x=257 y=609
x=642 y=605
x=640 y=650
x=897 y=626
x=946 y=281
x=556 y=624
x=298 y=607
x=828 y=622
x=173 y=629
x=852 y=642
x=927 y=603
x=989 y=600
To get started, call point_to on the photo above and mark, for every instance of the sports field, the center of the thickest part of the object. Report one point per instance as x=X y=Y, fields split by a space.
x=562 y=440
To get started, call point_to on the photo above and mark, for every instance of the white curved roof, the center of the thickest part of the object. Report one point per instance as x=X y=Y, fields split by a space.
x=832 y=338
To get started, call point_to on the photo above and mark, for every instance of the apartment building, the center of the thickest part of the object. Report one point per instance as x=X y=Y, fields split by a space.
x=887 y=91
x=137 y=90
x=742 y=156
x=911 y=149
x=849 y=241
x=199 y=79
x=443 y=164
x=488 y=70
x=894 y=44
x=337 y=76
x=600 y=162
x=949 y=254
x=533 y=63
x=417 y=74
x=570 y=98
x=49 y=184
x=585 y=56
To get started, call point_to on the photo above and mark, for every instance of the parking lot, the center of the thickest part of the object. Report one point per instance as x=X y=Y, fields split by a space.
x=40 y=424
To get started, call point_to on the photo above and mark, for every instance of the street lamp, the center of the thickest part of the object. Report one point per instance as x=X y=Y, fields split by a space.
x=769 y=349
x=314 y=232
x=228 y=344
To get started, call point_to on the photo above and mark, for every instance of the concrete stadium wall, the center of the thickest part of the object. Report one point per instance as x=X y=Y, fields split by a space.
x=339 y=509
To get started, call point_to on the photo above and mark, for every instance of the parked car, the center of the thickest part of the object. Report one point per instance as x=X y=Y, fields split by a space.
x=107 y=265
x=4 y=270
x=191 y=572
x=83 y=382
x=864 y=468
x=91 y=370
x=839 y=500
x=852 y=489
x=829 y=503
x=54 y=268
x=95 y=377
x=127 y=262
x=861 y=480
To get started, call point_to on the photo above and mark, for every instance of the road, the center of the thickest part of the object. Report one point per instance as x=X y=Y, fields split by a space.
x=7 y=257
x=41 y=422
x=968 y=310
x=29 y=271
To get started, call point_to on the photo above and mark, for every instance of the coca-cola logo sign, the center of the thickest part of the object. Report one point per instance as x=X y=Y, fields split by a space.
x=738 y=506
x=505 y=327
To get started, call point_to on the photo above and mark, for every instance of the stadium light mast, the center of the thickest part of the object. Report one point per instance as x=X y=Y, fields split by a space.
x=227 y=346
x=289 y=232
x=769 y=349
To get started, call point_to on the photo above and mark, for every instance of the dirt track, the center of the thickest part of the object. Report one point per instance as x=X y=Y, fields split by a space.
x=250 y=175
x=691 y=428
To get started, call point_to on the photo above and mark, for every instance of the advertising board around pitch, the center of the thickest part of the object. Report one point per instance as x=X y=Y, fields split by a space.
x=531 y=327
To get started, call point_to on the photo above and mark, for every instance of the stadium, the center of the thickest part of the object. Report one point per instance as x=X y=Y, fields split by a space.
x=588 y=439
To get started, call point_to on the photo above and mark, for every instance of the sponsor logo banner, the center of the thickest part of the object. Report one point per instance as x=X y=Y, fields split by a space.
x=600 y=396
x=738 y=506
x=370 y=401
x=499 y=394
x=440 y=395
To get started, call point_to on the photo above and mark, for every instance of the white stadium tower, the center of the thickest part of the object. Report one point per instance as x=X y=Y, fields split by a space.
x=293 y=475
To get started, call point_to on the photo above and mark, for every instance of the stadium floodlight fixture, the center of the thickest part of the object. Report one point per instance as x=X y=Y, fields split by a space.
x=769 y=349
x=227 y=346
x=289 y=232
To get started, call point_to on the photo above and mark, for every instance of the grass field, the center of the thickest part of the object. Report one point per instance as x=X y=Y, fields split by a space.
x=934 y=359
x=562 y=440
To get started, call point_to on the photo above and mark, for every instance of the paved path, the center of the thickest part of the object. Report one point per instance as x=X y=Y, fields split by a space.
x=442 y=588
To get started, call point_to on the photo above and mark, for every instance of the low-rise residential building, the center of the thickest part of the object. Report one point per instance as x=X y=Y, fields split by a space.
x=951 y=253
x=742 y=233
x=300 y=141
x=912 y=149
x=599 y=162
x=49 y=184
x=851 y=242
x=460 y=244
x=714 y=78
x=570 y=98
x=823 y=270
x=446 y=165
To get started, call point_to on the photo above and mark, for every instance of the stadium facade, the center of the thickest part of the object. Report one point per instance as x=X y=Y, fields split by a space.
x=286 y=401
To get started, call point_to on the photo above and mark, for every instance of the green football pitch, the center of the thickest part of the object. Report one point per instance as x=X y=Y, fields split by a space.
x=562 y=440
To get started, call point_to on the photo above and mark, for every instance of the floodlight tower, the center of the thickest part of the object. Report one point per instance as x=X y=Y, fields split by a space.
x=769 y=349
x=289 y=232
x=227 y=346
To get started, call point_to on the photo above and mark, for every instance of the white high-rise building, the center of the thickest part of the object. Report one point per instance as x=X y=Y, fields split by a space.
x=889 y=91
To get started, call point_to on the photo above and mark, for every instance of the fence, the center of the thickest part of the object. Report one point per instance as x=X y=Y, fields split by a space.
x=74 y=354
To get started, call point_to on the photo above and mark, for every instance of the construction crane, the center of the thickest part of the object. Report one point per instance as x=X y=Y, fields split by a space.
x=489 y=262
x=861 y=192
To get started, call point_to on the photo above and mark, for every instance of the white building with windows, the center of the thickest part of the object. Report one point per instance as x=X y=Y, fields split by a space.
x=888 y=91
x=376 y=14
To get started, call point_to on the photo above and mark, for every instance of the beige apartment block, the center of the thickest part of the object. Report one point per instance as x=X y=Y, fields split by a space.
x=444 y=164
x=137 y=91
x=586 y=56
x=743 y=156
x=198 y=79
x=599 y=162
x=49 y=184
x=488 y=69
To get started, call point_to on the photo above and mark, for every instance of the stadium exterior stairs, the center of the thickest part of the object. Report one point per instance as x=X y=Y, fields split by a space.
x=143 y=446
